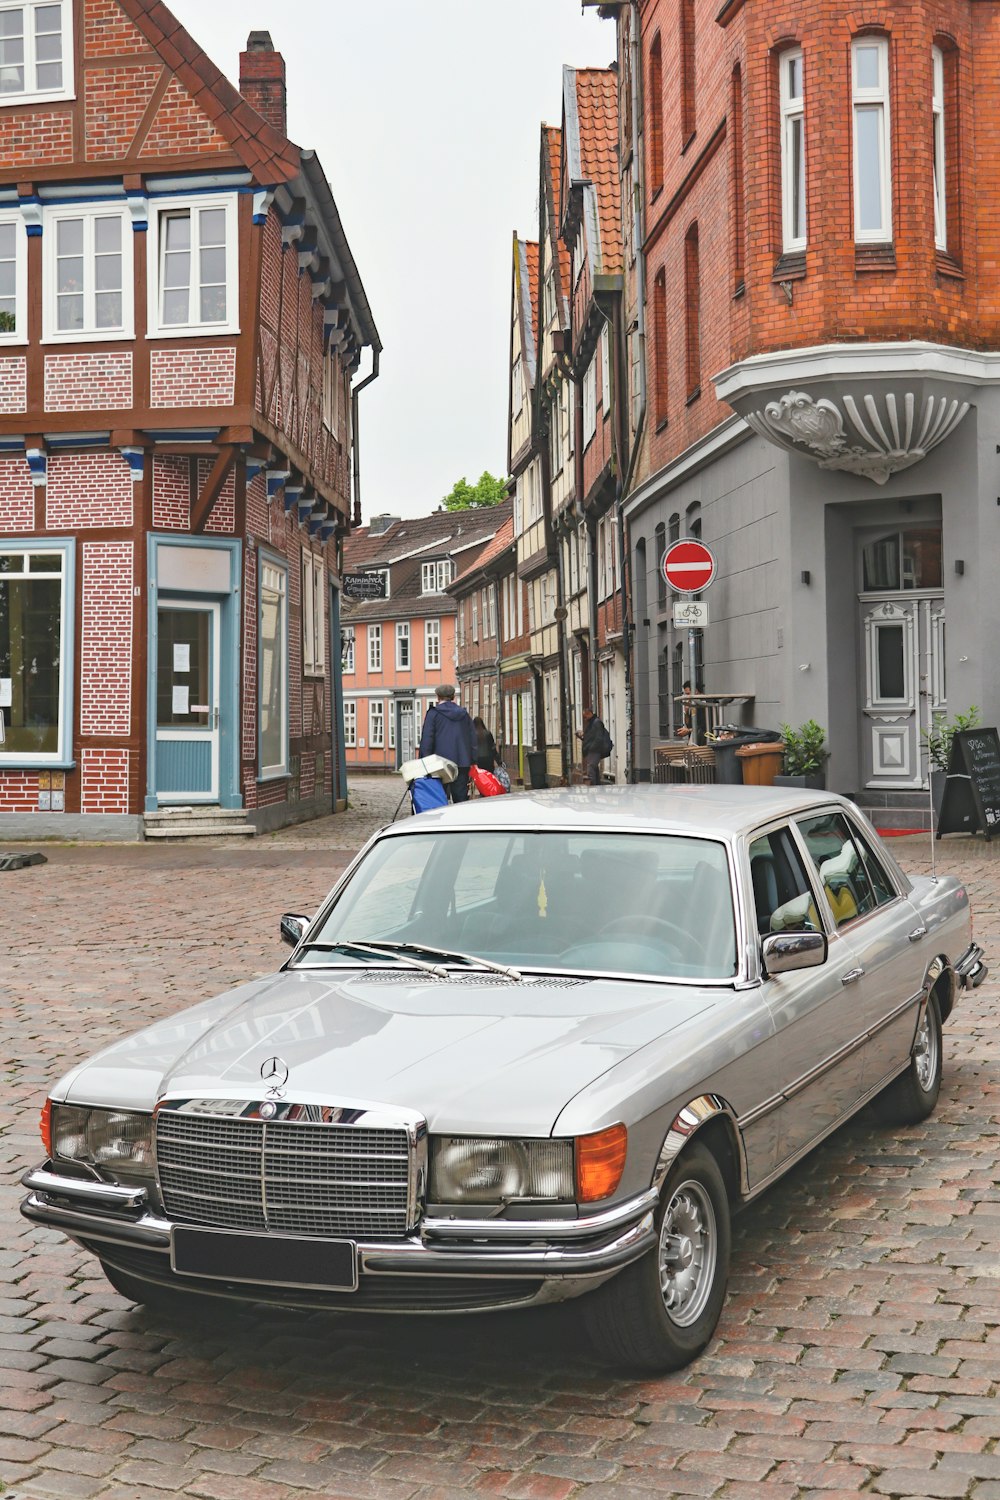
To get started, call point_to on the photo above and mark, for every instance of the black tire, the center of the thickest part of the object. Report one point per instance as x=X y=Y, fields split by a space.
x=159 y=1299
x=913 y=1096
x=645 y=1321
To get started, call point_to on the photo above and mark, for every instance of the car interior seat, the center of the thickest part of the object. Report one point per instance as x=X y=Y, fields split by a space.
x=764 y=878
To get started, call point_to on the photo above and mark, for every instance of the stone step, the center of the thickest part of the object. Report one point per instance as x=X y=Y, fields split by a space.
x=910 y=819
x=181 y=823
x=204 y=814
x=203 y=831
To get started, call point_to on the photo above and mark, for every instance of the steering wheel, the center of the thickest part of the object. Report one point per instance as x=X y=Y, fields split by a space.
x=636 y=925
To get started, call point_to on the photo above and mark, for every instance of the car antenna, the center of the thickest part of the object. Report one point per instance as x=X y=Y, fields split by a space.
x=930 y=801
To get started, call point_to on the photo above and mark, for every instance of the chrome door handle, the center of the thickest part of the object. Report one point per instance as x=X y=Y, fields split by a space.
x=851 y=976
x=917 y=934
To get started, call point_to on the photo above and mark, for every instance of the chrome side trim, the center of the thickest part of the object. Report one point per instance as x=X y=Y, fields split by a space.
x=100 y=1194
x=686 y=1123
x=458 y=1230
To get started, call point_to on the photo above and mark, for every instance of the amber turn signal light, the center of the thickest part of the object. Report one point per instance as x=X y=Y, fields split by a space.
x=45 y=1126
x=600 y=1162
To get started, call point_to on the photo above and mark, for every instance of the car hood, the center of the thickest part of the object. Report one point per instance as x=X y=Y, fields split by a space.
x=469 y=1052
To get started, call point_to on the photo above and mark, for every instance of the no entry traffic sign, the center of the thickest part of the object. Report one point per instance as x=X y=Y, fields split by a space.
x=689 y=566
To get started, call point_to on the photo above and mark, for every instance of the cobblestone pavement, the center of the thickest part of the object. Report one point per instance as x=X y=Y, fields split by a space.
x=859 y=1351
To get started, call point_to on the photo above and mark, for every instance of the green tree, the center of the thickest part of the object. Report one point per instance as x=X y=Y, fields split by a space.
x=487 y=491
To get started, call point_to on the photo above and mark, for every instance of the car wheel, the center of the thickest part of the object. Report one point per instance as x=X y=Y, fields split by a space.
x=660 y=1312
x=913 y=1095
x=165 y=1299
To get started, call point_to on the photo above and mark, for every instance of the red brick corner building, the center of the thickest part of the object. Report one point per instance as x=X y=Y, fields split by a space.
x=181 y=322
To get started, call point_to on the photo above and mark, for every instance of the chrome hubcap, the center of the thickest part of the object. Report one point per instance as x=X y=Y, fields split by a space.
x=688 y=1252
x=925 y=1053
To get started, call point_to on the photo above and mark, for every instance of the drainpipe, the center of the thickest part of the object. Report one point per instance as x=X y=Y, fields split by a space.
x=355 y=393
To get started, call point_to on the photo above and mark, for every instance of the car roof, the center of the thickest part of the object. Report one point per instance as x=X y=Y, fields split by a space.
x=713 y=811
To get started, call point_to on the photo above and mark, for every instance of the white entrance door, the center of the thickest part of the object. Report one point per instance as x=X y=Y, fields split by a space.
x=902 y=673
x=406 y=729
x=187 y=702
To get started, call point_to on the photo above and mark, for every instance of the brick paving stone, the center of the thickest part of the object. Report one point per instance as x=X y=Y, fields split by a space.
x=860 y=1345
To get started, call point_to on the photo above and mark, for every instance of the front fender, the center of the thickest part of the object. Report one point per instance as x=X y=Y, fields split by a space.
x=686 y=1124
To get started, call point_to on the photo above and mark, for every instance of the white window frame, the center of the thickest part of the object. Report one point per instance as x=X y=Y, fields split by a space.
x=347 y=648
x=374 y=648
x=517 y=387
x=436 y=576
x=277 y=568
x=475 y=618
x=432 y=645
x=376 y=724
x=332 y=384
x=793 y=122
x=403 y=638
x=159 y=208
x=19 y=333
x=590 y=401
x=89 y=213
x=549 y=297
x=938 y=115
x=66 y=550
x=874 y=99
x=313 y=615
x=605 y=370
x=350 y=724
x=36 y=95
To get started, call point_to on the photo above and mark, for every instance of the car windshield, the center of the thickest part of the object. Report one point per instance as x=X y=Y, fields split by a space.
x=610 y=903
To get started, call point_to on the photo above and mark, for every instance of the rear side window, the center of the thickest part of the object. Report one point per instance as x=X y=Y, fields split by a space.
x=782 y=896
x=853 y=880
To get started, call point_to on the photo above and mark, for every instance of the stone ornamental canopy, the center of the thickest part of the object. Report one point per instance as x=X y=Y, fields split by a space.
x=866 y=409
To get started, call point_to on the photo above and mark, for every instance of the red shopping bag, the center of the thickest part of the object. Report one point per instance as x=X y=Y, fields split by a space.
x=485 y=783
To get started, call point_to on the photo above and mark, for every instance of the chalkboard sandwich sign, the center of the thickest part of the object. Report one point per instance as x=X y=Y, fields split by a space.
x=971 y=801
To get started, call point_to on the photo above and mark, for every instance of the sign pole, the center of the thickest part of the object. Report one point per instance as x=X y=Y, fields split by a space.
x=693 y=674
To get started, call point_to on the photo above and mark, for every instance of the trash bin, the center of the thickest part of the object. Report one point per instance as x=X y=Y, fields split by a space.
x=728 y=769
x=538 y=779
x=761 y=763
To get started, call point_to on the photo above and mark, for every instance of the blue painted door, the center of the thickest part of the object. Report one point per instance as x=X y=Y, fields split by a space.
x=187 y=702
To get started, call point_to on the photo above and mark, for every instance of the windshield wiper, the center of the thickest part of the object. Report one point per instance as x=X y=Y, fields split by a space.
x=376 y=950
x=449 y=954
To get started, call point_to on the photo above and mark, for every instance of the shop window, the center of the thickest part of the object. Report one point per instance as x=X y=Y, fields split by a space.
x=36 y=50
x=36 y=639
x=194 y=267
x=273 y=668
x=88 y=280
x=793 y=150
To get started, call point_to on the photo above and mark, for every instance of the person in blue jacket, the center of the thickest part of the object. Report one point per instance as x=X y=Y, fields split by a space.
x=449 y=731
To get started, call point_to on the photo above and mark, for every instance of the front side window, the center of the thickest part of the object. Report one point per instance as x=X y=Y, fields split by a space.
x=403 y=646
x=940 y=202
x=36 y=634
x=193 y=275
x=432 y=643
x=793 y=152
x=782 y=896
x=273 y=669
x=88 y=274
x=13 y=280
x=374 y=648
x=872 y=169
x=853 y=880
x=36 y=50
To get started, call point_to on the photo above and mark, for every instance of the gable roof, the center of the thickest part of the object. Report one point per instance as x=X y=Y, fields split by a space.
x=403 y=549
x=590 y=131
x=552 y=182
x=526 y=302
x=502 y=541
x=268 y=154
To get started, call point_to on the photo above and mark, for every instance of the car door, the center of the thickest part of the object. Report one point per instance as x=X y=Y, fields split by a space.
x=815 y=1067
x=874 y=916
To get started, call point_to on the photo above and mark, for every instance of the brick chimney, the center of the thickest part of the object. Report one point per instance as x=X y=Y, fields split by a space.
x=262 y=80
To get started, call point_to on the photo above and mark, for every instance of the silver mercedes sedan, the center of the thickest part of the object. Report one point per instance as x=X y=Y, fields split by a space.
x=530 y=1048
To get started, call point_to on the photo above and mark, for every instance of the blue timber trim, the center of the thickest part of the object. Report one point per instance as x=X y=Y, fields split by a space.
x=230 y=658
x=62 y=760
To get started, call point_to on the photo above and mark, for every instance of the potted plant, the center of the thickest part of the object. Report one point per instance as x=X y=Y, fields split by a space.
x=805 y=756
x=937 y=742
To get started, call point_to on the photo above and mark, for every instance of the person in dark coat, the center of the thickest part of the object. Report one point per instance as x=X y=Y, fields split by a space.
x=448 y=730
x=486 y=747
x=595 y=740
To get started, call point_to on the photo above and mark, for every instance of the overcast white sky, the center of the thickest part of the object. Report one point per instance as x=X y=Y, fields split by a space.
x=426 y=118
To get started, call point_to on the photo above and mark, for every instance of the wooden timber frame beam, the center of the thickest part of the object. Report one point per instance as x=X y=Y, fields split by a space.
x=219 y=473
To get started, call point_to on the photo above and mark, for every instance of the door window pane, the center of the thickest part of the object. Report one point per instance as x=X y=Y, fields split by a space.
x=891 y=662
x=183 y=669
x=842 y=870
x=31 y=649
x=783 y=898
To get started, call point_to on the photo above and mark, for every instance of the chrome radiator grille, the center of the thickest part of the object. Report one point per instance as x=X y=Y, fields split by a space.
x=287 y=1177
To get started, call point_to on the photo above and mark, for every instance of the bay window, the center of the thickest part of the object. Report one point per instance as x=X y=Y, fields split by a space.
x=36 y=50
x=88 y=281
x=36 y=644
x=272 y=659
x=872 y=139
x=793 y=153
x=193 y=273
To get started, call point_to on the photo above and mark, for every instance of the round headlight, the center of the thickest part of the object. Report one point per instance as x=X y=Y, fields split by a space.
x=484 y=1169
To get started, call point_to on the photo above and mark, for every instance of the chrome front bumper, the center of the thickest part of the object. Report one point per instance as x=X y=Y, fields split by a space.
x=970 y=969
x=591 y=1247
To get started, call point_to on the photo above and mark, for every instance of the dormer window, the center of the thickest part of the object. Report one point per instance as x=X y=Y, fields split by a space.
x=36 y=50
x=436 y=576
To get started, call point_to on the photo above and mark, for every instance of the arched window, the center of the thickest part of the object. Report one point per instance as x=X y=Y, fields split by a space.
x=692 y=297
x=738 y=181
x=660 y=536
x=656 y=115
x=660 y=347
x=793 y=150
x=687 y=51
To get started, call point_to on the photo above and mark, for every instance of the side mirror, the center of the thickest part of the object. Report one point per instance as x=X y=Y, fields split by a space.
x=784 y=951
x=293 y=929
